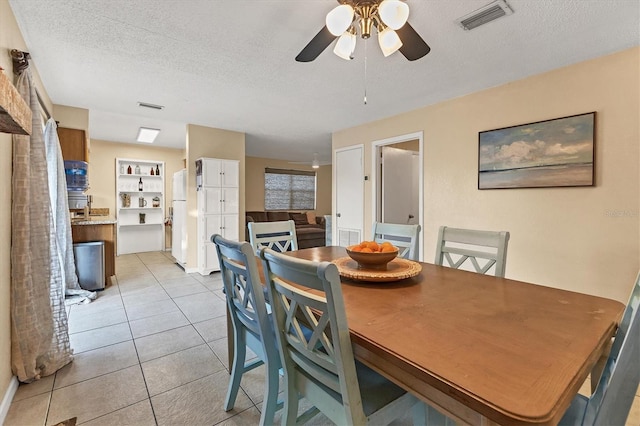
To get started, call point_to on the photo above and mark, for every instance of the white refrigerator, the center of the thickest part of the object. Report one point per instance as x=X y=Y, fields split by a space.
x=179 y=224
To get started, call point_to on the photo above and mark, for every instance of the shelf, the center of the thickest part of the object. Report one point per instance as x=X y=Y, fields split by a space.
x=139 y=208
x=141 y=224
x=139 y=176
x=15 y=114
x=133 y=236
x=139 y=192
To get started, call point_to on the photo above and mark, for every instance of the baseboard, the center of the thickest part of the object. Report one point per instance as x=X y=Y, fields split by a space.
x=8 y=398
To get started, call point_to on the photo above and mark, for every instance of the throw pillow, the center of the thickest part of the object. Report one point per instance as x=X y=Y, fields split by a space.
x=311 y=218
x=299 y=218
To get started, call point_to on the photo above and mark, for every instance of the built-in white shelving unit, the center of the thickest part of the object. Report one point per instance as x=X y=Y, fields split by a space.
x=140 y=205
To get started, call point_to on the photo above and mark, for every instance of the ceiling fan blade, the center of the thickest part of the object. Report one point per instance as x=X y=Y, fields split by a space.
x=413 y=46
x=316 y=46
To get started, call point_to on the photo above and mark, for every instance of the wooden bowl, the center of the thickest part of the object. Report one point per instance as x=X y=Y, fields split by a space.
x=376 y=261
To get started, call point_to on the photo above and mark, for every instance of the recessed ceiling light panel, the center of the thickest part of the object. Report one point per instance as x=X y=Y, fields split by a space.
x=147 y=135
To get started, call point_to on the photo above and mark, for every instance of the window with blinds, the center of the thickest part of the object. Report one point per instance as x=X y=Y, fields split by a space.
x=289 y=189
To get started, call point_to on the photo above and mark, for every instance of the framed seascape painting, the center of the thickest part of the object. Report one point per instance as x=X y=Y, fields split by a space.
x=551 y=153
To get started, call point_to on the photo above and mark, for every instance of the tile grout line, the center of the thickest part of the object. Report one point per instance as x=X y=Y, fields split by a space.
x=196 y=330
x=227 y=369
x=141 y=264
x=139 y=364
x=146 y=386
x=46 y=417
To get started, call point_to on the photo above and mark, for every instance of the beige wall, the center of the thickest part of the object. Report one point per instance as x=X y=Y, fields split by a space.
x=102 y=168
x=254 y=196
x=409 y=145
x=211 y=143
x=561 y=237
x=10 y=38
x=73 y=118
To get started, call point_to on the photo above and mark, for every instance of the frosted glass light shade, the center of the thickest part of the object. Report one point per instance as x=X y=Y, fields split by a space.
x=147 y=135
x=345 y=46
x=339 y=19
x=394 y=13
x=389 y=41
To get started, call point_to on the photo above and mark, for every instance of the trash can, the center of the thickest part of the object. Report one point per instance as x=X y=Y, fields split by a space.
x=89 y=258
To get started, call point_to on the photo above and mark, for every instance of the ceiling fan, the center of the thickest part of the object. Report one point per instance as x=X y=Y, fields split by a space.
x=353 y=17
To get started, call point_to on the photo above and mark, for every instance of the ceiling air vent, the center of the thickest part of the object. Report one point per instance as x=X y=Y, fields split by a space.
x=152 y=106
x=488 y=13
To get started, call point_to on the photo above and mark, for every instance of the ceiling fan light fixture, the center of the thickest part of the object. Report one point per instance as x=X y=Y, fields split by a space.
x=389 y=41
x=393 y=13
x=339 y=19
x=361 y=18
x=345 y=46
x=315 y=164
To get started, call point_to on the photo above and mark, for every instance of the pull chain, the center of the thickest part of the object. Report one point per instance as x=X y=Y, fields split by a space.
x=365 y=71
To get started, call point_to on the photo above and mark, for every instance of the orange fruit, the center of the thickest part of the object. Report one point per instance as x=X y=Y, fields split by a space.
x=373 y=246
x=356 y=248
x=366 y=250
x=388 y=249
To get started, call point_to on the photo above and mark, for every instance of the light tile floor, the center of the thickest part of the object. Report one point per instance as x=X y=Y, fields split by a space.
x=151 y=350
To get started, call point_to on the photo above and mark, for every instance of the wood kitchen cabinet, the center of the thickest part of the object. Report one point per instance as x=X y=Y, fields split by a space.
x=73 y=143
x=88 y=231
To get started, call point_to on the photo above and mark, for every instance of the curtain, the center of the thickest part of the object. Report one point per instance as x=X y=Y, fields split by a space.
x=61 y=219
x=60 y=206
x=39 y=330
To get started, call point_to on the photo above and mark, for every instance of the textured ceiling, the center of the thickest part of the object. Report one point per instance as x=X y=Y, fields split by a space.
x=230 y=63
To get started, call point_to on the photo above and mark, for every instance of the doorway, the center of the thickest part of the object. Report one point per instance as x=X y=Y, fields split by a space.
x=398 y=181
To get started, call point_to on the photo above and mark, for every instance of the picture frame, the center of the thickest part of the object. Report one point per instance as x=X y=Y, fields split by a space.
x=559 y=152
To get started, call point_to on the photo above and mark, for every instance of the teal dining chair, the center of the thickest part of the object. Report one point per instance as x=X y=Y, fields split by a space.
x=456 y=246
x=320 y=365
x=278 y=236
x=612 y=399
x=405 y=237
x=252 y=326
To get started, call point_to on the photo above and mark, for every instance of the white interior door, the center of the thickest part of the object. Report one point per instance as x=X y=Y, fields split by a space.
x=349 y=178
x=399 y=186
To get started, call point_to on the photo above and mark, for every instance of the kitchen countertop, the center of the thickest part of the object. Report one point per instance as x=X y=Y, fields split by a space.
x=94 y=220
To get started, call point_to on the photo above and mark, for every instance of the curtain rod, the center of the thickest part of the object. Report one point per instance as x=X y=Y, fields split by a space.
x=20 y=63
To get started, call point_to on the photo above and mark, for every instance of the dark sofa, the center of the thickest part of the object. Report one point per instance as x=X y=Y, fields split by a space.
x=309 y=235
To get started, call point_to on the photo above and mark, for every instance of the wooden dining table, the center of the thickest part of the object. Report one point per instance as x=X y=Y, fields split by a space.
x=479 y=349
